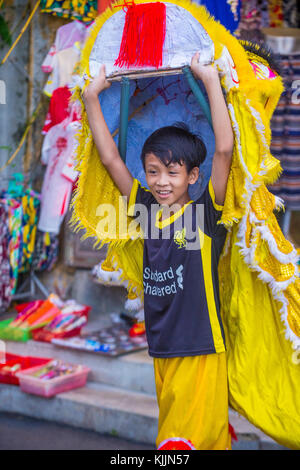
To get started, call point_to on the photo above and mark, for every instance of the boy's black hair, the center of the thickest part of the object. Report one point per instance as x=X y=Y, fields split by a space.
x=175 y=144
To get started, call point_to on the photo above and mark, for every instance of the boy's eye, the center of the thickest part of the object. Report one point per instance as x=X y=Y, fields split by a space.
x=173 y=172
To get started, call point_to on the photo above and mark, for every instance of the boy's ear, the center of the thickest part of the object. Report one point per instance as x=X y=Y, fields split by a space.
x=193 y=175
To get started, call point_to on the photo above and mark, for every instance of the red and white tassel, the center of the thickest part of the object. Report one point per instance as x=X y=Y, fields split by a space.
x=143 y=36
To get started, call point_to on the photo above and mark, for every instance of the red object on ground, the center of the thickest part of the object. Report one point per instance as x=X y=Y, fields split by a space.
x=35 y=313
x=32 y=306
x=42 y=334
x=137 y=329
x=45 y=334
x=26 y=362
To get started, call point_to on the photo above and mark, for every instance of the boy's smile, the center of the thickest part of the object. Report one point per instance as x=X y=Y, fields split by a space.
x=169 y=184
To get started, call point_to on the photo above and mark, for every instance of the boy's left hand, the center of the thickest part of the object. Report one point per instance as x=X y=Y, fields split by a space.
x=97 y=85
x=224 y=138
x=206 y=73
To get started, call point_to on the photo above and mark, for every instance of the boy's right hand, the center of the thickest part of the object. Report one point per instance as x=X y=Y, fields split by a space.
x=208 y=74
x=96 y=86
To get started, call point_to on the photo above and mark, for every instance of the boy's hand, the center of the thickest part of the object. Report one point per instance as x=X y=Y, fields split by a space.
x=99 y=84
x=207 y=73
x=224 y=138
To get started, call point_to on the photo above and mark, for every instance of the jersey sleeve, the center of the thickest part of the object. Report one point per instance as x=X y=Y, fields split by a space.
x=212 y=212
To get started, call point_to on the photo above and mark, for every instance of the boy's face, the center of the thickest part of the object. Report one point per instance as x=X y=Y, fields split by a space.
x=169 y=184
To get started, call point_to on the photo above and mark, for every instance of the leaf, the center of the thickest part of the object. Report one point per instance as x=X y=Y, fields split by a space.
x=4 y=31
x=5 y=147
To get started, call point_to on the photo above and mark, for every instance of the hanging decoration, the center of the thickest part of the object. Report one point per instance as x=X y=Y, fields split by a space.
x=82 y=10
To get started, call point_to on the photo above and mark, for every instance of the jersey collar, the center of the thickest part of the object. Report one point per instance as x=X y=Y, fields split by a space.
x=169 y=220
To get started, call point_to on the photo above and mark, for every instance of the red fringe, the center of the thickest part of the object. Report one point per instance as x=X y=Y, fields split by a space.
x=143 y=36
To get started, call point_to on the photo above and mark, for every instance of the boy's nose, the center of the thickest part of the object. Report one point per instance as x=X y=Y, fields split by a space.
x=162 y=180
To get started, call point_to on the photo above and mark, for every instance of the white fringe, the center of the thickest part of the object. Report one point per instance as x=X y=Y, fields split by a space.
x=289 y=334
x=279 y=203
x=284 y=258
x=248 y=254
x=133 y=304
x=140 y=315
x=266 y=234
x=277 y=288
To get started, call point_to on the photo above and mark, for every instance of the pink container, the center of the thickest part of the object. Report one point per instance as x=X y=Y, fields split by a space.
x=49 y=388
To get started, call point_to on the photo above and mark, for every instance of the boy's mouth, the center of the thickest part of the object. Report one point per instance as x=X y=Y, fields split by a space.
x=163 y=194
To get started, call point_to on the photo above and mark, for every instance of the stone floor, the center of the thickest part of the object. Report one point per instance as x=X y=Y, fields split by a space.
x=24 y=433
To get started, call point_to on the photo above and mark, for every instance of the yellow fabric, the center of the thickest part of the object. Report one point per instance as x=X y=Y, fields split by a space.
x=119 y=257
x=260 y=289
x=192 y=395
x=213 y=197
x=132 y=197
x=263 y=368
x=206 y=253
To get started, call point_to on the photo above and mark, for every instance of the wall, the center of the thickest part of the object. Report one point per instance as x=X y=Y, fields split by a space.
x=13 y=118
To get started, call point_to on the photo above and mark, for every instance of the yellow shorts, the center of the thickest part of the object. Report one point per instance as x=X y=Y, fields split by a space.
x=192 y=395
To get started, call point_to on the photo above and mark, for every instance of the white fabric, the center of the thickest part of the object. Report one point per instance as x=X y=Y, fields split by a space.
x=57 y=152
x=64 y=54
x=66 y=36
x=64 y=63
x=184 y=37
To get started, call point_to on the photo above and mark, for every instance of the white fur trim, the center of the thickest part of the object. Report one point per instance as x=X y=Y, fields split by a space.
x=140 y=315
x=176 y=439
x=106 y=276
x=133 y=304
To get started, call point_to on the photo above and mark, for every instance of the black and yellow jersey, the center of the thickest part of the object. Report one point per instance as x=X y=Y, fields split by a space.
x=180 y=274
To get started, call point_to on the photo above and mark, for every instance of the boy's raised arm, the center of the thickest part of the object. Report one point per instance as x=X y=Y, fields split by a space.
x=224 y=138
x=104 y=142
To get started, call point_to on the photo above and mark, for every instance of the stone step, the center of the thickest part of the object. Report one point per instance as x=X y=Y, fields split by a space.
x=96 y=407
x=119 y=397
x=132 y=371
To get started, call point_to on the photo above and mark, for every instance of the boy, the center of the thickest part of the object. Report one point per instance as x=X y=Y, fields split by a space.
x=181 y=300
